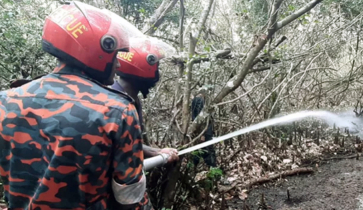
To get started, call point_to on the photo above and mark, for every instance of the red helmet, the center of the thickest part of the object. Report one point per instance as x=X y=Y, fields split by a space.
x=141 y=63
x=86 y=37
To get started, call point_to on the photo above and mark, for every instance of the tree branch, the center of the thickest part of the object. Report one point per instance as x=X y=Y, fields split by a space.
x=273 y=20
x=186 y=110
x=260 y=44
x=225 y=54
x=247 y=92
x=158 y=17
x=192 y=44
x=203 y=19
x=259 y=69
x=198 y=121
x=199 y=136
x=167 y=39
x=297 y=14
x=181 y=23
x=181 y=48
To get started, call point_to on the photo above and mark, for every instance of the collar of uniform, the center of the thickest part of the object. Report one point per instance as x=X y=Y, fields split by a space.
x=116 y=87
x=63 y=69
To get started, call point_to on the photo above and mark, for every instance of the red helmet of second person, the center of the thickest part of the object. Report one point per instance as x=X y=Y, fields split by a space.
x=141 y=63
x=84 y=36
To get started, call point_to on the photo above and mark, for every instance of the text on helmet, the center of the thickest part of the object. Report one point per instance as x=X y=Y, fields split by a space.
x=67 y=17
x=125 y=56
x=76 y=27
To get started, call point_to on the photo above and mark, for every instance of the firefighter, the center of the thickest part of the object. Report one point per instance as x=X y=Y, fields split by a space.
x=66 y=140
x=138 y=72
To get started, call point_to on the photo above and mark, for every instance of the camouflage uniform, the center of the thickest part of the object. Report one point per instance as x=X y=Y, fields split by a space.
x=145 y=203
x=62 y=138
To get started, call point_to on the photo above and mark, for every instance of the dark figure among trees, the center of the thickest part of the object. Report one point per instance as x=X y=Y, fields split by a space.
x=207 y=153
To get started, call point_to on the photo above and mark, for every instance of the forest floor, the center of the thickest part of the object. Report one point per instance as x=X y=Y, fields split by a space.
x=335 y=184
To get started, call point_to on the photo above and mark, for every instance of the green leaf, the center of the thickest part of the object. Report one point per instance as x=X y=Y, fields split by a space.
x=291 y=8
x=214 y=173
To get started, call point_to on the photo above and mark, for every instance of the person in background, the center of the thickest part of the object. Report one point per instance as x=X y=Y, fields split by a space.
x=208 y=153
x=66 y=140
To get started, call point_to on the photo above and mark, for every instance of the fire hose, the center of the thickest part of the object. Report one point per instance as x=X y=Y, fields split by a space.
x=340 y=121
x=162 y=159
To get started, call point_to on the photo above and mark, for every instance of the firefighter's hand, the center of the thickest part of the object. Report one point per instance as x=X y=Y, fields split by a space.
x=173 y=154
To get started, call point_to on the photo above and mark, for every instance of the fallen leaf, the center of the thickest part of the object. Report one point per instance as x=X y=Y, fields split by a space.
x=243 y=195
x=200 y=176
x=228 y=197
x=231 y=179
x=264 y=158
x=287 y=161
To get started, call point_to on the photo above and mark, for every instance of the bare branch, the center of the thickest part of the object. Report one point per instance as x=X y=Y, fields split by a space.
x=199 y=136
x=167 y=39
x=289 y=80
x=259 y=69
x=171 y=123
x=247 y=65
x=192 y=44
x=181 y=23
x=158 y=17
x=260 y=44
x=297 y=14
x=199 y=120
x=187 y=90
x=225 y=54
x=239 y=97
x=273 y=24
x=203 y=19
x=181 y=48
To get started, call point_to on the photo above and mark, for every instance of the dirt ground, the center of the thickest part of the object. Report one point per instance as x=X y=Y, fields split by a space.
x=335 y=185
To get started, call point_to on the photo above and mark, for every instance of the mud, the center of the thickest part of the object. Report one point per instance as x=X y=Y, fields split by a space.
x=335 y=185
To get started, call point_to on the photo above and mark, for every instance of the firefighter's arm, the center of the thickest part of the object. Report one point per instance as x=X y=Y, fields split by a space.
x=129 y=181
x=152 y=152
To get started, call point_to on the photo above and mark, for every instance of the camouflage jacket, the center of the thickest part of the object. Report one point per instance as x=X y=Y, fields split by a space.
x=62 y=138
x=145 y=203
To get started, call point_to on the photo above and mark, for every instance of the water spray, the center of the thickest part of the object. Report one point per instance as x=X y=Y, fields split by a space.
x=344 y=121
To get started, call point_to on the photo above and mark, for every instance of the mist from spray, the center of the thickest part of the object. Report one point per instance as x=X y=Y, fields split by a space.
x=345 y=120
